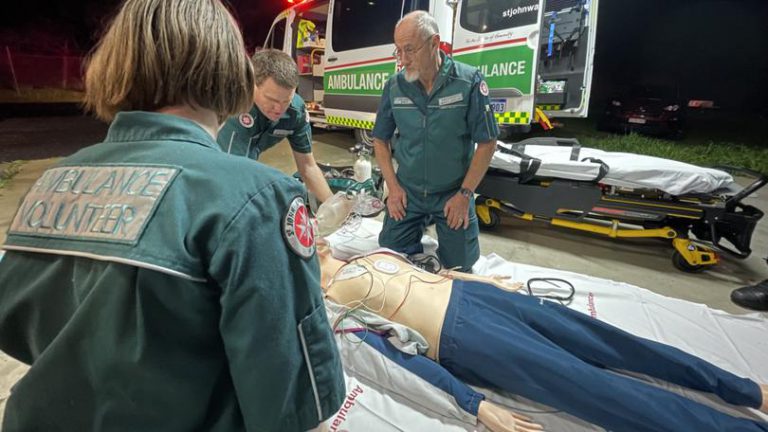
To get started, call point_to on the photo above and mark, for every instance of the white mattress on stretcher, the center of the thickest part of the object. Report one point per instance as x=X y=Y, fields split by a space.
x=624 y=169
x=384 y=397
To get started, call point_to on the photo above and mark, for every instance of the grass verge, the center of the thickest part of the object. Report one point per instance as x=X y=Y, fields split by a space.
x=703 y=154
x=8 y=171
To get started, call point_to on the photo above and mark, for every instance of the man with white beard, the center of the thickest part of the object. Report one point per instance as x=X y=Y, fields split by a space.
x=440 y=109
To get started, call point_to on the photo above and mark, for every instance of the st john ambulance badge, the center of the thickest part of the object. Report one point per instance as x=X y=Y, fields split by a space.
x=298 y=229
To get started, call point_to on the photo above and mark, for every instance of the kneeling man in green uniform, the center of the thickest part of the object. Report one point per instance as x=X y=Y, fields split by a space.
x=277 y=113
x=440 y=108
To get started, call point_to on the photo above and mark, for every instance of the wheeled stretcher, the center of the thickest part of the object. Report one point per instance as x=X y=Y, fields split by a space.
x=622 y=195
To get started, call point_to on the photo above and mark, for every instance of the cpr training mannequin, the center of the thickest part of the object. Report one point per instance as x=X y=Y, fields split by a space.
x=489 y=336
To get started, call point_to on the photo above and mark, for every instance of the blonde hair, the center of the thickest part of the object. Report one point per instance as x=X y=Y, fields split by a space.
x=158 y=53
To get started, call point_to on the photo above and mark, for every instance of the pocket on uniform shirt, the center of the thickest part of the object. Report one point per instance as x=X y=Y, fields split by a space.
x=455 y=116
x=322 y=359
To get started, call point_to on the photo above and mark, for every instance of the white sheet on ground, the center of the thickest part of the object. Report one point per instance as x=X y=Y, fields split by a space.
x=735 y=343
x=625 y=169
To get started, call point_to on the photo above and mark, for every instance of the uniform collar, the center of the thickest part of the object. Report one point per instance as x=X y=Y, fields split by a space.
x=131 y=126
x=446 y=72
x=448 y=66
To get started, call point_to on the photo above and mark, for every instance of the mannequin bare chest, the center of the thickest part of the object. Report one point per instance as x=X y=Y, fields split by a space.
x=392 y=288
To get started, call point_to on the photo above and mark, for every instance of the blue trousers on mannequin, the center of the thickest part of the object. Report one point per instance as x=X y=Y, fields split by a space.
x=553 y=355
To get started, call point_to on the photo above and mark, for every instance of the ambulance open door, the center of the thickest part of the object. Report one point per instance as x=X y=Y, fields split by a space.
x=501 y=38
x=566 y=51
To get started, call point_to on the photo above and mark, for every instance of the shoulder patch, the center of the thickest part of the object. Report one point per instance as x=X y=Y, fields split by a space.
x=298 y=229
x=246 y=120
x=110 y=203
x=483 y=88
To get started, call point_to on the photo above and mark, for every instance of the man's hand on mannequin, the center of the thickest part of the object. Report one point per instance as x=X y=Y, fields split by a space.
x=312 y=175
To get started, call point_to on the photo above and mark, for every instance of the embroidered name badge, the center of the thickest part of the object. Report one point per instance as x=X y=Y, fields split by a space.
x=403 y=101
x=282 y=132
x=458 y=97
x=246 y=120
x=298 y=229
x=110 y=203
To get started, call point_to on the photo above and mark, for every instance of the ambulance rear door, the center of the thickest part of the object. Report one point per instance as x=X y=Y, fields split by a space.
x=567 y=48
x=501 y=38
x=279 y=36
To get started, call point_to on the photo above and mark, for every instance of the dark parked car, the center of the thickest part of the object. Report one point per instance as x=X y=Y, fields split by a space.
x=645 y=111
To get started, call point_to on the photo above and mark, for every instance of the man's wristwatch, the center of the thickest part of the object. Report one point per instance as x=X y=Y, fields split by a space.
x=466 y=193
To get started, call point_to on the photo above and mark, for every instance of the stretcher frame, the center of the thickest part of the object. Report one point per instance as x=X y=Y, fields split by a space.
x=698 y=225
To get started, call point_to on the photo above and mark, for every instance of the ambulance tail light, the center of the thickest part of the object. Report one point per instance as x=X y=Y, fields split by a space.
x=446 y=47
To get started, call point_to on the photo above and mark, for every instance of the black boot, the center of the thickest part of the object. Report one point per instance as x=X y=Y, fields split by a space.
x=752 y=297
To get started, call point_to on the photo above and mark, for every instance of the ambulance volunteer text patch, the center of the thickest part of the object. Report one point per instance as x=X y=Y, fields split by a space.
x=93 y=202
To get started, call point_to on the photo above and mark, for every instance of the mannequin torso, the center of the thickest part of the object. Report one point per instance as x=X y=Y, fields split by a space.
x=390 y=287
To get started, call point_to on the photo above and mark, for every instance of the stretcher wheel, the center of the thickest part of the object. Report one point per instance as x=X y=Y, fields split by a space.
x=494 y=216
x=681 y=264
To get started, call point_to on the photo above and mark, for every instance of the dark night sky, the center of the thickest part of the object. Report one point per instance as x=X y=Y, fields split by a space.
x=712 y=49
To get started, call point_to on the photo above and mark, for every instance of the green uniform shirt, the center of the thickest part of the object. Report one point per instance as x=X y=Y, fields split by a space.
x=436 y=132
x=155 y=283
x=249 y=134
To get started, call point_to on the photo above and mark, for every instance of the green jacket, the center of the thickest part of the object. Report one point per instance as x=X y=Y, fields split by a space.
x=436 y=133
x=155 y=283
x=250 y=134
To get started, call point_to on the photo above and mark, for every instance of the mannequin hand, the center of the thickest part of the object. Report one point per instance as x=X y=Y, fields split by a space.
x=456 y=212
x=396 y=203
x=499 y=419
x=504 y=283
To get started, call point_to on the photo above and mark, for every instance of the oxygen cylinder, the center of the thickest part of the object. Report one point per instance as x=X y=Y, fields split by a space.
x=362 y=167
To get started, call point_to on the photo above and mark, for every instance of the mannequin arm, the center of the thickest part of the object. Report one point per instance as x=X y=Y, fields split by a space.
x=494 y=417
x=498 y=281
